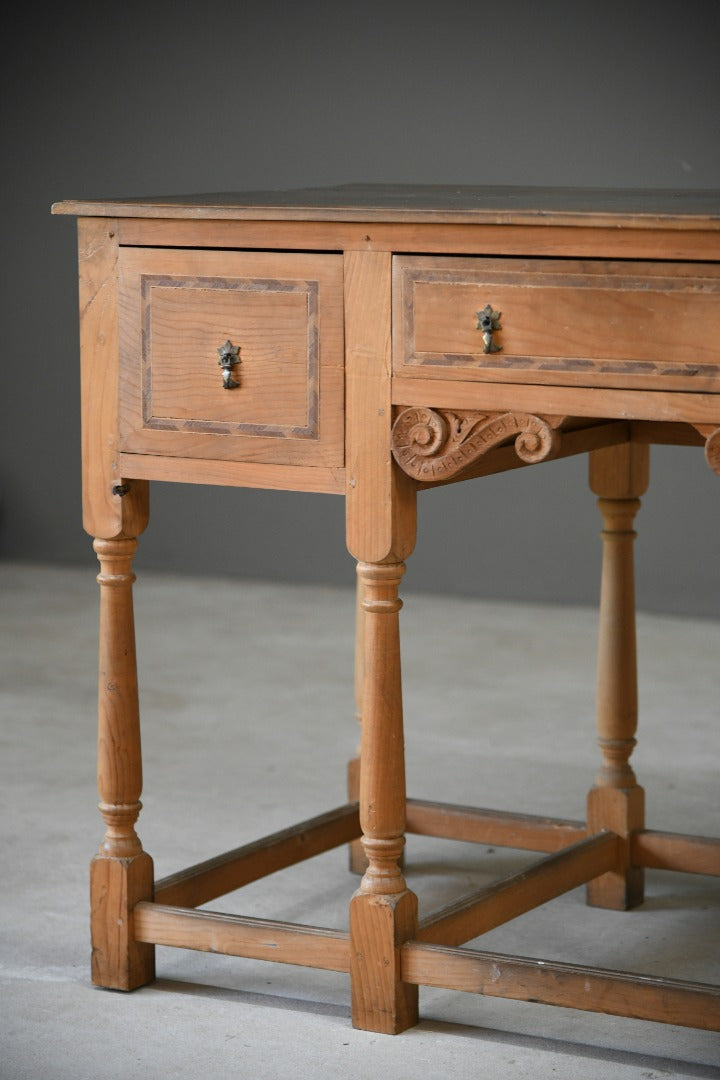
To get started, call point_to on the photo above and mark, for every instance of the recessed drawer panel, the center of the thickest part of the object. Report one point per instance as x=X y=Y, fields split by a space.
x=630 y=325
x=232 y=355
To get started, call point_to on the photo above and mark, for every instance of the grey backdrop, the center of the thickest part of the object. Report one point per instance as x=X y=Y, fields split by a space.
x=160 y=98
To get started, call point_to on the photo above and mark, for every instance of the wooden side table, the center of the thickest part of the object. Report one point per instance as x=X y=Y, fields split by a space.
x=373 y=342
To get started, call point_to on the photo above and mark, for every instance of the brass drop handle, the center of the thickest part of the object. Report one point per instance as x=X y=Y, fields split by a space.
x=488 y=322
x=228 y=357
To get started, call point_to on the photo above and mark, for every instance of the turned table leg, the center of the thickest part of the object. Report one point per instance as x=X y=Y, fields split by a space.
x=357 y=860
x=383 y=912
x=121 y=873
x=619 y=475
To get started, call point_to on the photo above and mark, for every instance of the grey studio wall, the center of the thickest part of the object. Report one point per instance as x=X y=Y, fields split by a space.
x=160 y=98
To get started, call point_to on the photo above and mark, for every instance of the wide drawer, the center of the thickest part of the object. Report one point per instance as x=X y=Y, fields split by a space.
x=276 y=322
x=555 y=321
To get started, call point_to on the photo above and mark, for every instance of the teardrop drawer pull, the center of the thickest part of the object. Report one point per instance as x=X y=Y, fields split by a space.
x=228 y=357
x=488 y=322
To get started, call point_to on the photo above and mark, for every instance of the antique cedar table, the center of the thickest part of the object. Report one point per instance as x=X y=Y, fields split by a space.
x=371 y=342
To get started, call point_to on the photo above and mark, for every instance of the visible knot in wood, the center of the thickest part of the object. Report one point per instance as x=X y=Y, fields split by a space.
x=383 y=874
x=120 y=839
x=438 y=444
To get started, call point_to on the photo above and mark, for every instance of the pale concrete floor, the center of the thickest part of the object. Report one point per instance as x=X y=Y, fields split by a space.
x=246 y=693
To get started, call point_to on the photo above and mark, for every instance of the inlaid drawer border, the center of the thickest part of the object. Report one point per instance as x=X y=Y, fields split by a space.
x=609 y=278
x=215 y=427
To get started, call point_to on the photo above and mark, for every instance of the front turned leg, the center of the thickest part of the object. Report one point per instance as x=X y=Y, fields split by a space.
x=383 y=912
x=121 y=874
x=617 y=803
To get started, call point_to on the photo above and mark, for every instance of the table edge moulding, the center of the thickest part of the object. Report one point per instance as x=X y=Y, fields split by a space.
x=374 y=341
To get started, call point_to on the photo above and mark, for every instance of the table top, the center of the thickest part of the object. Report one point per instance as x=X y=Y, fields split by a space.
x=627 y=207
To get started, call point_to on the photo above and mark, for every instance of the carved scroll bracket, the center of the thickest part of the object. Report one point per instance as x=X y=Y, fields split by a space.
x=437 y=444
x=711 y=434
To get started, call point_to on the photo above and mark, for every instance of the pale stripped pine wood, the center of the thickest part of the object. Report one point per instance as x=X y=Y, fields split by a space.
x=668 y=434
x=237 y=935
x=121 y=873
x=285 y=313
x=105 y=514
x=379 y=927
x=504 y=900
x=380 y=499
x=357 y=861
x=573 y=442
x=234 y=473
x=711 y=435
x=528 y=832
x=490 y=239
x=618 y=475
x=647 y=326
x=648 y=209
x=384 y=963
x=494 y=827
x=233 y=869
x=383 y=912
x=662 y=405
x=675 y=851
x=645 y=997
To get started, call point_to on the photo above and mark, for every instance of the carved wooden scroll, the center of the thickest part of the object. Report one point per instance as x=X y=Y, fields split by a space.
x=437 y=444
x=711 y=434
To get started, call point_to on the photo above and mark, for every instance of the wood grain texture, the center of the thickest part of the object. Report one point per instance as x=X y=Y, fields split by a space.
x=575 y=440
x=380 y=499
x=105 y=513
x=465 y=203
x=382 y=756
x=643 y=325
x=233 y=869
x=234 y=473
x=284 y=313
x=120 y=961
x=676 y=851
x=238 y=935
x=383 y=912
x=644 y=997
x=121 y=874
x=611 y=404
x=618 y=475
x=357 y=860
x=441 y=444
x=570 y=241
x=379 y=926
x=494 y=827
x=119 y=755
x=609 y=333
x=504 y=900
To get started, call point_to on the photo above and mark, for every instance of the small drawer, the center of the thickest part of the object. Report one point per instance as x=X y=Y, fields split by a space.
x=275 y=320
x=614 y=324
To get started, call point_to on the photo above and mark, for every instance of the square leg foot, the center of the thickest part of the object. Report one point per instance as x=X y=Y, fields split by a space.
x=116 y=885
x=379 y=925
x=622 y=811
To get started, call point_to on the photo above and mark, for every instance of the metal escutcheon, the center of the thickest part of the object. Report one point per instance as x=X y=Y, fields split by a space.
x=488 y=322
x=228 y=357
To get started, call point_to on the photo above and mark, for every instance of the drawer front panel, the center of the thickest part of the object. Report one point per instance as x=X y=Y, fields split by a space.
x=279 y=398
x=626 y=325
